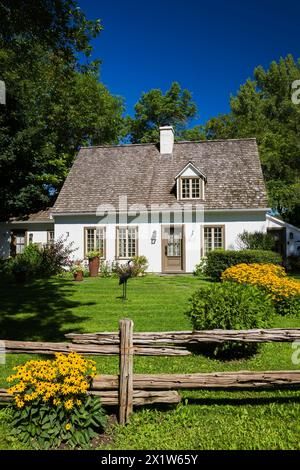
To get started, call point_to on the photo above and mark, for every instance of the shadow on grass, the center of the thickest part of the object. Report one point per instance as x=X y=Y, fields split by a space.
x=38 y=310
x=226 y=352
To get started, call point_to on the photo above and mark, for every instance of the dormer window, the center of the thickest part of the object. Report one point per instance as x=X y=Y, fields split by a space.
x=190 y=183
x=191 y=188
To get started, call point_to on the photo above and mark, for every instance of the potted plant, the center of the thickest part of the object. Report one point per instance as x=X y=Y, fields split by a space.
x=94 y=262
x=77 y=270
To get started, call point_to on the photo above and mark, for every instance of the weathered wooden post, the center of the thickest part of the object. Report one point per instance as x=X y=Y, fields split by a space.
x=125 y=370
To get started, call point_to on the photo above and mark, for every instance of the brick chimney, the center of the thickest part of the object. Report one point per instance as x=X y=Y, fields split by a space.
x=166 y=139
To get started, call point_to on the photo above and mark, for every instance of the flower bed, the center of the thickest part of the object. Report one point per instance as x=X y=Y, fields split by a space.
x=284 y=291
x=51 y=405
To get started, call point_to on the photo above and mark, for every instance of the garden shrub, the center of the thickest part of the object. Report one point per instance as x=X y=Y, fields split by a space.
x=256 y=241
x=48 y=260
x=140 y=265
x=219 y=260
x=200 y=268
x=284 y=291
x=57 y=257
x=51 y=405
x=230 y=306
x=29 y=262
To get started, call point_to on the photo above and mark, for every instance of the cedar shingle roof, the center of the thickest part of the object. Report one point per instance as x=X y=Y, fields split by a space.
x=42 y=216
x=101 y=174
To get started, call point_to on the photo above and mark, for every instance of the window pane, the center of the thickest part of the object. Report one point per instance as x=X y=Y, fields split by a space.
x=100 y=240
x=20 y=244
x=218 y=237
x=90 y=242
x=207 y=239
x=131 y=242
x=122 y=242
x=213 y=238
x=185 y=188
x=195 y=187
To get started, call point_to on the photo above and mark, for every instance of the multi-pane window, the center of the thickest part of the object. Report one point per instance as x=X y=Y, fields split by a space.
x=20 y=243
x=127 y=242
x=213 y=238
x=95 y=240
x=191 y=188
x=50 y=237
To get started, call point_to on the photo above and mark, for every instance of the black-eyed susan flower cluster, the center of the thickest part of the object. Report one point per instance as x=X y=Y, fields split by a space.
x=284 y=291
x=63 y=381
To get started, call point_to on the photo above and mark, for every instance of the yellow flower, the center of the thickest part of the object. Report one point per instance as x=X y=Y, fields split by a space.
x=68 y=427
x=69 y=404
x=270 y=277
x=20 y=403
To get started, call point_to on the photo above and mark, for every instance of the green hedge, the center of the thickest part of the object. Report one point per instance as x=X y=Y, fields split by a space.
x=219 y=260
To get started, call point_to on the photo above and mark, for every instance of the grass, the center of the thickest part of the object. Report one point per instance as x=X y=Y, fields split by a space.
x=46 y=310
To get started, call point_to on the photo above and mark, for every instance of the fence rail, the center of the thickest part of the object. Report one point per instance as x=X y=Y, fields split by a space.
x=127 y=389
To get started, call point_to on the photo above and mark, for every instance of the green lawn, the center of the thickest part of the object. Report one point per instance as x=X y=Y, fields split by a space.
x=46 y=310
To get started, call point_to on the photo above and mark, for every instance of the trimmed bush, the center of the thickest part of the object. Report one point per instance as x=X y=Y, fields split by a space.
x=230 y=306
x=219 y=260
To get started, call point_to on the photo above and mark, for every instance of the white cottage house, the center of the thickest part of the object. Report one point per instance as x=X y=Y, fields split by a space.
x=172 y=202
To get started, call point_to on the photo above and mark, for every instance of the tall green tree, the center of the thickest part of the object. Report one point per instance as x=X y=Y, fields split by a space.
x=54 y=104
x=154 y=109
x=263 y=108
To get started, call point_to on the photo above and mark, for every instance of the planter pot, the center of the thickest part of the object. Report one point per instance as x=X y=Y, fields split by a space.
x=94 y=264
x=78 y=276
x=20 y=277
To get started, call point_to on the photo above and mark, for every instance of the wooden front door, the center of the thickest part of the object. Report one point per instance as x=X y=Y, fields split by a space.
x=172 y=249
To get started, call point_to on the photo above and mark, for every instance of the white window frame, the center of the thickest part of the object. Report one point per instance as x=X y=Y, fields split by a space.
x=190 y=179
x=102 y=230
x=213 y=247
x=128 y=255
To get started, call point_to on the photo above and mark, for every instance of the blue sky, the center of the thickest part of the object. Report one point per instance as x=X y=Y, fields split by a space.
x=209 y=47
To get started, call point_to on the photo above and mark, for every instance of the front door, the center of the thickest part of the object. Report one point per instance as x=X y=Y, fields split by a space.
x=172 y=249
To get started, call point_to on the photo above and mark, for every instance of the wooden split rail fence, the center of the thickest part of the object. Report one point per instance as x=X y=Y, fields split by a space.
x=128 y=389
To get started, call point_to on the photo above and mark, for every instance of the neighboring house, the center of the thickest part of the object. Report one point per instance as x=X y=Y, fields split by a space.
x=171 y=202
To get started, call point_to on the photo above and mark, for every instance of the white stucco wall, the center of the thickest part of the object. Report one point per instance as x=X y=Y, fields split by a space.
x=234 y=223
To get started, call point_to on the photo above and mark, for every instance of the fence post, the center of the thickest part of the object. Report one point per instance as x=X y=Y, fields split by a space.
x=125 y=370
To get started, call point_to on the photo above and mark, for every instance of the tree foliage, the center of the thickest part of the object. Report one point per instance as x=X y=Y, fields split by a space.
x=263 y=108
x=154 y=109
x=53 y=104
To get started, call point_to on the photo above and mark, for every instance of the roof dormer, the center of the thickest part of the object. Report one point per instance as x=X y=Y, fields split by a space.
x=190 y=183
